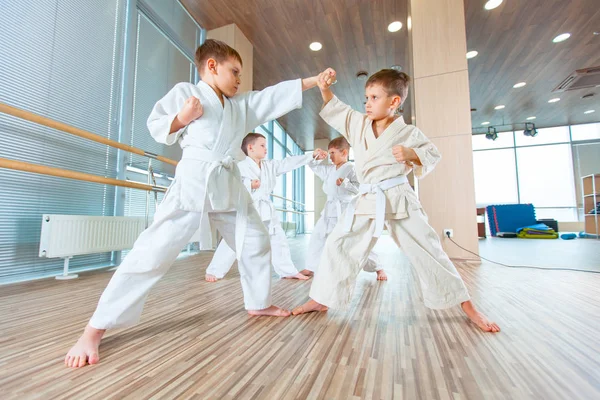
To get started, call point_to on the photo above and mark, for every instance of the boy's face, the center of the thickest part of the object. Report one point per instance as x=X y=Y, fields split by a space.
x=379 y=104
x=258 y=149
x=226 y=75
x=338 y=156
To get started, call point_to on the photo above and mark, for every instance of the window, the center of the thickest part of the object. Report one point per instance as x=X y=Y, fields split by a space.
x=546 y=176
x=505 y=139
x=585 y=132
x=495 y=177
x=559 y=134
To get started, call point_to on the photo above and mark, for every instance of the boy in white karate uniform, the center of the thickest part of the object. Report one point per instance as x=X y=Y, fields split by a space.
x=386 y=150
x=340 y=184
x=207 y=183
x=260 y=177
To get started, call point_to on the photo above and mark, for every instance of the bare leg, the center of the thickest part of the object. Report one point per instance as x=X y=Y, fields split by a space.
x=307 y=272
x=85 y=350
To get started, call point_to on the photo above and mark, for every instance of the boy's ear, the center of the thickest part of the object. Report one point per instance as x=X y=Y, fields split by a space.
x=397 y=101
x=211 y=65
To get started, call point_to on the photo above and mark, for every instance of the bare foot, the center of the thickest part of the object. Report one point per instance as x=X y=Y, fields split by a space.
x=272 y=311
x=307 y=272
x=309 y=306
x=478 y=318
x=85 y=350
x=298 y=276
x=381 y=275
x=210 y=278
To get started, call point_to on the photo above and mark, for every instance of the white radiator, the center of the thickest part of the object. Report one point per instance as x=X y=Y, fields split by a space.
x=66 y=236
x=70 y=235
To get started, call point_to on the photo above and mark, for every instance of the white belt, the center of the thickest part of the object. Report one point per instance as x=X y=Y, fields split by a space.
x=267 y=199
x=217 y=159
x=378 y=189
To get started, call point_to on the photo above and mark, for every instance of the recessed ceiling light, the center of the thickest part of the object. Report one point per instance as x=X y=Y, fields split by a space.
x=589 y=111
x=500 y=107
x=396 y=67
x=485 y=123
x=491 y=4
x=554 y=100
x=472 y=54
x=520 y=84
x=561 y=38
x=395 y=26
x=315 y=46
x=530 y=118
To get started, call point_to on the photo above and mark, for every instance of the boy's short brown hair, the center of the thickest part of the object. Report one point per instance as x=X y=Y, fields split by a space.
x=216 y=49
x=394 y=82
x=250 y=138
x=340 y=143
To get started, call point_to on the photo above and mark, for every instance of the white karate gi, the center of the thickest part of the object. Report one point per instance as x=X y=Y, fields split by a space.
x=385 y=197
x=207 y=183
x=338 y=198
x=267 y=174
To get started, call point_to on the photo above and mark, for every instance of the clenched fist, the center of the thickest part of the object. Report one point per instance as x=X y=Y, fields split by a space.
x=255 y=183
x=191 y=111
x=319 y=154
x=326 y=79
x=404 y=155
x=339 y=181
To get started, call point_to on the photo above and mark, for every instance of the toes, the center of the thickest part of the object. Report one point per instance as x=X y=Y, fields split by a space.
x=94 y=358
x=298 y=311
x=82 y=362
x=283 y=313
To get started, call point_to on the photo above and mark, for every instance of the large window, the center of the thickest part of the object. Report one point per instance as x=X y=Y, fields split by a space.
x=544 y=170
x=290 y=185
x=69 y=61
x=61 y=59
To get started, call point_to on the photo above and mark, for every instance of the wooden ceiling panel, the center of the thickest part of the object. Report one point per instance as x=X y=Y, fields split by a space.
x=353 y=33
x=514 y=42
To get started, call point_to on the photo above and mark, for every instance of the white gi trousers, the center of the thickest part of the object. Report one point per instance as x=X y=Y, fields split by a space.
x=346 y=252
x=156 y=249
x=281 y=257
x=317 y=243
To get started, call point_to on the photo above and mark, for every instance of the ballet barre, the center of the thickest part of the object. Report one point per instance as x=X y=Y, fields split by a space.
x=40 y=120
x=80 y=176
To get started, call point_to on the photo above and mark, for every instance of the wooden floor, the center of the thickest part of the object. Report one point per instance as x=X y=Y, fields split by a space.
x=196 y=341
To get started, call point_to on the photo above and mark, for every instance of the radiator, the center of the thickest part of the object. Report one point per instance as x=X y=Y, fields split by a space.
x=70 y=235
x=66 y=236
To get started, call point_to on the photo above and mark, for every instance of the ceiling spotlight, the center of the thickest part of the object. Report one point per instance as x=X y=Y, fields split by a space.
x=362 y=75
x=492 y=133
x=530 y=118
x=589 y=111
x=396 y=67
x=491 y=4
x=315 y=46
x=500 y=107
x=554 y=100
x=485 y=123
x=561 y=38
x=395 y=26
x=530 y=129
x=519 y=85
x=472 y=54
